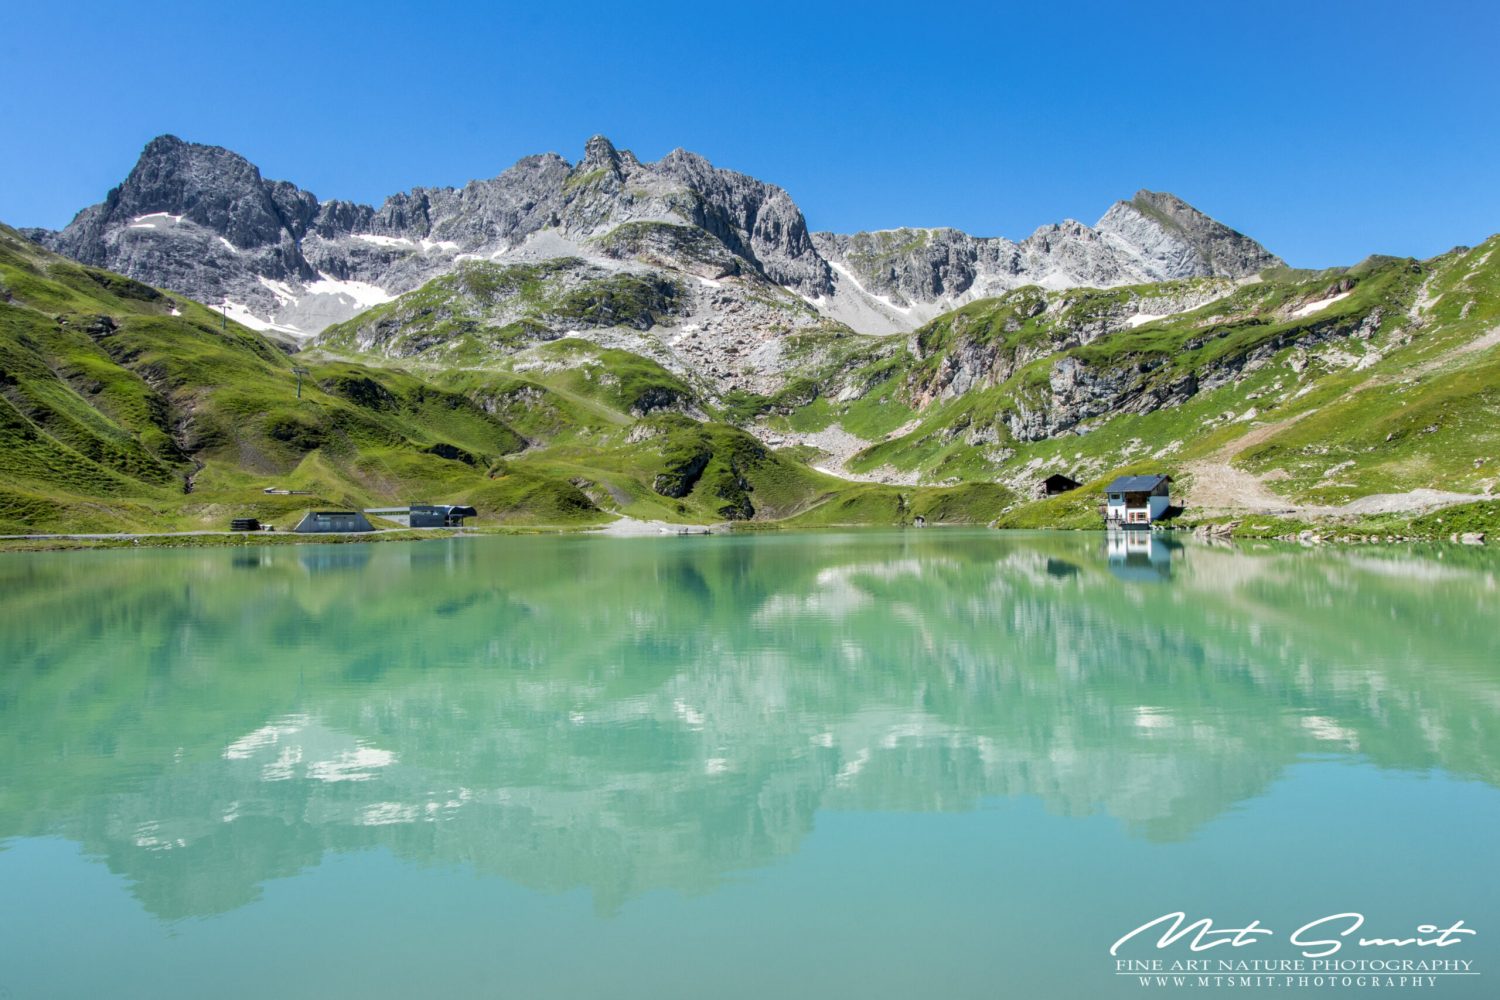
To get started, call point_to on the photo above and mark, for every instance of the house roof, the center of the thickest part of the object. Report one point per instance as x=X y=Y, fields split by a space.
x=1136 y=484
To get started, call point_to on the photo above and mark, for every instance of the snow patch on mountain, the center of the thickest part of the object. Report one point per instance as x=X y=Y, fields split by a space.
x=240 y=313
x=362 y=293
x=280 y=289
x=1319 y=305
x=382 y=241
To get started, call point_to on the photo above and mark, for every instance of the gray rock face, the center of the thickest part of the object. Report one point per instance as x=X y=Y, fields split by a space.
x=202 y=221
x=1079 y=392
x=1180 y=241
x=760 y=222
x=1153 y=237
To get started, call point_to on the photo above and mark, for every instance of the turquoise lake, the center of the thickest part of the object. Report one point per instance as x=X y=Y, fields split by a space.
x=940 y=763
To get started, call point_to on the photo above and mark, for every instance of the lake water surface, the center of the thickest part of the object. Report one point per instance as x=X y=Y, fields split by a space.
x=878 y=764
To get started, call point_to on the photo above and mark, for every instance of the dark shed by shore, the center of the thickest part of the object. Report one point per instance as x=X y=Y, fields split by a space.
x=1055 y=484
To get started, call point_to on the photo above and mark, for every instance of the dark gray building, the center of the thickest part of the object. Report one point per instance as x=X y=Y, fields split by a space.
x=439 y=515
x=320 y=521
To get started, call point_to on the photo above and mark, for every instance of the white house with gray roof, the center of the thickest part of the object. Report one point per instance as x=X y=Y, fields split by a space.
x=1137 y=501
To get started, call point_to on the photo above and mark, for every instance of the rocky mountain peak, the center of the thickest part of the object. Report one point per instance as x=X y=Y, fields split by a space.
x=209 y=185
x=684 y=160
x=165 y=144
x=1185 y=241
x=600 y=154
x=195 y=193
x=1145 y=196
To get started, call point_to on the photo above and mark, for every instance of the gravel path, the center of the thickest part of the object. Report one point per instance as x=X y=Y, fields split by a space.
x=1219 y=488
x=630 y=527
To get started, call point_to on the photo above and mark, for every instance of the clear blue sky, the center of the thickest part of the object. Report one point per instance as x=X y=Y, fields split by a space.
x=1326 y=130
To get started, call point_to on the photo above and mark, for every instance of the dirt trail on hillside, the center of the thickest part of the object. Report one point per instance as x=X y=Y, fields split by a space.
x=1219 y=488
x=1483 y=342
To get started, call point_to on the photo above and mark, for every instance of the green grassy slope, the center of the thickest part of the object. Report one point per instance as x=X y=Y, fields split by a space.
x=1423 y=415
x=121 y=406
x=126 y=408
x=1167 y=367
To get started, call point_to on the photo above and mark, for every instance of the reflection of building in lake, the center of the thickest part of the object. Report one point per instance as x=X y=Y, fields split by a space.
x=1139 y=555
x=323 y=558
x=1061 y=568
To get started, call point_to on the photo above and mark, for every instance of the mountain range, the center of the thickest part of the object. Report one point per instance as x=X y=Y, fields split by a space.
x=203 y=221
x=569 y=342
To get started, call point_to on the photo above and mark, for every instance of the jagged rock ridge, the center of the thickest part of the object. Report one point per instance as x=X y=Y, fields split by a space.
x=201 y=220
x=1153 y=237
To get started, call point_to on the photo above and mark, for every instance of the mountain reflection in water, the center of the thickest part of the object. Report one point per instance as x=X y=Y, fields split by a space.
x=630 y=714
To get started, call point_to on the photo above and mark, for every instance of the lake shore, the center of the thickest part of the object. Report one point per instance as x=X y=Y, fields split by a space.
x=1466 y=532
